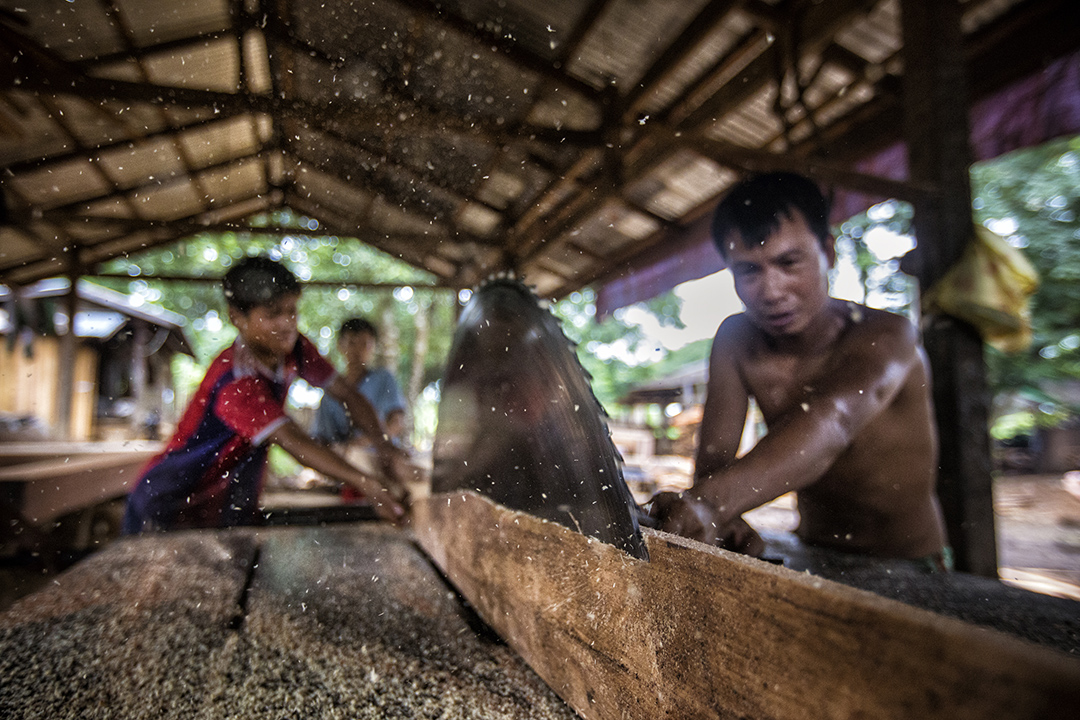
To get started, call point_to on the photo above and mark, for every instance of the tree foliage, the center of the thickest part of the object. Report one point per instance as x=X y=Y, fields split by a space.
x=322 y=308
x=1033 y=198
x=616 y=354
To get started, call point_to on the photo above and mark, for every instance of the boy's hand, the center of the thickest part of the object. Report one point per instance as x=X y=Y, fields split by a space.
x=394 y=464
x=386 y=507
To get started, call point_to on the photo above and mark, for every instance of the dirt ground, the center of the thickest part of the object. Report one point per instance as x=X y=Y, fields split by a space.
x=1038 y=529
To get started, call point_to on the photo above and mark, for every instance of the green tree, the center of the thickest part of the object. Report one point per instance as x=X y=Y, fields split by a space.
x=1032 y=197
x=614 y=352
x=312 y=257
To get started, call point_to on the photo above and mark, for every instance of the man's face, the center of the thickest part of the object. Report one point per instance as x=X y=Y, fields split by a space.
x=269 y=330
x=358 y=348
x=784 y=281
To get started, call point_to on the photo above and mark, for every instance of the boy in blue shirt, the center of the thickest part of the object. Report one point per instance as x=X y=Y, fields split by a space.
x=211 y=472
x=356 y=341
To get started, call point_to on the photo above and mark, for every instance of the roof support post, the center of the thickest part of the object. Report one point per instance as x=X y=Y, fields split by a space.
x=939 y=155
x=65 y=381
x=140 y=378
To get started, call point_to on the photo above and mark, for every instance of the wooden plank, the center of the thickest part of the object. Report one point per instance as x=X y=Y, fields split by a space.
x=700 y=632
x=61 y=477
x=14 y=453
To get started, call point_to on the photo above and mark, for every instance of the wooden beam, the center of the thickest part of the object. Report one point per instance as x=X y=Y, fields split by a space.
x=89 y=151
x=515 y=53
x=819 y=22
x=210 y=280
x=65 y=379
x=589 y=18
x=700 y=632
x=714 y=14
x=937 y=133
x=51 y=75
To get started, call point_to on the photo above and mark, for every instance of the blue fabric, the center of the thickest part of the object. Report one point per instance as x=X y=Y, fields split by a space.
x=382 y=391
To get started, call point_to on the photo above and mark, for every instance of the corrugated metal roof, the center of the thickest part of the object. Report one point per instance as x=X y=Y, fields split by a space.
x=559 y=139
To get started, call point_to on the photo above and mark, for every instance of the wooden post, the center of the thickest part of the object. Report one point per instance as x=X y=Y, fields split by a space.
x=140 y=340
x=939 y=154
x=65 y=381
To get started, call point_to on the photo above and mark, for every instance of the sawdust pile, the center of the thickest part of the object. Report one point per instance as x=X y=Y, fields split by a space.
x=348 y=622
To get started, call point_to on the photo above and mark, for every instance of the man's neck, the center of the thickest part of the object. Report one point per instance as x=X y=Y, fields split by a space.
x=818 y=335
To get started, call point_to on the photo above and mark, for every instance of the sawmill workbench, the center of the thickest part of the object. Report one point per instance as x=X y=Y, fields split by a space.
x=348 y=621
x=354 y=620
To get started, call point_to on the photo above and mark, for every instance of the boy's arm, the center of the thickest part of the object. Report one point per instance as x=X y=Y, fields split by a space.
x=320 y=458
x=360 y=411
x=861 y=380
x=363 y=416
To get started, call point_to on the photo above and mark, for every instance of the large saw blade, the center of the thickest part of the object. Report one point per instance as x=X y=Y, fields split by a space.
x=518 y=421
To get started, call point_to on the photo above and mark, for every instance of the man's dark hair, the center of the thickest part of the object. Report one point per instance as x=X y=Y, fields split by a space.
x=756 y=206
x=256 y=281
x=356 y=326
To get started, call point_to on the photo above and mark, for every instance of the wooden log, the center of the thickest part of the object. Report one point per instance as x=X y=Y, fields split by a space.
x=700 y=632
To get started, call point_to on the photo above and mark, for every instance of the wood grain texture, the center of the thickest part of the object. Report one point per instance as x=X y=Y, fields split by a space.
x=700 y=632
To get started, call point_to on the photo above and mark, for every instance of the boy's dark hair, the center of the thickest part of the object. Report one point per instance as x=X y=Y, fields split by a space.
x=258 y=280
x=356 y=326
x=756 y=206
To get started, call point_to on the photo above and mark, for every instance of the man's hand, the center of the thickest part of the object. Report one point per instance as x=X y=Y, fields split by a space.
x=682 y=514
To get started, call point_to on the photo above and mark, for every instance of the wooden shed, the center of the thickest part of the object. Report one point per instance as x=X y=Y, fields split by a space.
x=575 y=143
x=122 y=382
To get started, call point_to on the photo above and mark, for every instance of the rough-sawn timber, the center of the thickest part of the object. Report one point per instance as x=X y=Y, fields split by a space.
x=700 y=632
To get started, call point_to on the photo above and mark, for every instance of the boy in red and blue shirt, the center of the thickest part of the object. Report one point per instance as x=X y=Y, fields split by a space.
x=211 y=472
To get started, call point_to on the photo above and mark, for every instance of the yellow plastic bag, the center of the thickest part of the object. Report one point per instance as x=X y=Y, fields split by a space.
x=989 y=287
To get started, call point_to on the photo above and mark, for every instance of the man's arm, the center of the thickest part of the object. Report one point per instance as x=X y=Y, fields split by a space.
x=722 y=423
x=726 y=402
x=310 y=453
x=867 y=370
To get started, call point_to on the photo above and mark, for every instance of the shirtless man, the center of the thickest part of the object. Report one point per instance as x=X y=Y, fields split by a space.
x=843 y=389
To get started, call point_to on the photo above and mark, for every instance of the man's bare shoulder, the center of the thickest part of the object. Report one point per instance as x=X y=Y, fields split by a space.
x=871 y=324
x=734 y=332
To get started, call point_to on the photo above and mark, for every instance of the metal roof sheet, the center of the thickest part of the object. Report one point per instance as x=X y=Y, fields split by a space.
x=559 y=139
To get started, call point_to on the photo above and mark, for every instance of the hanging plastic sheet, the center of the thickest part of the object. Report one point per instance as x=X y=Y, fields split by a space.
x=989 y=287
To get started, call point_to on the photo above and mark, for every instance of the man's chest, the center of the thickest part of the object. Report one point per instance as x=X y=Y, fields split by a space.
x=780 y=382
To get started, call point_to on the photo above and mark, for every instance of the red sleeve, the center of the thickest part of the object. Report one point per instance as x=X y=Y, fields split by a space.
x=314 y=368
x=249 y=408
